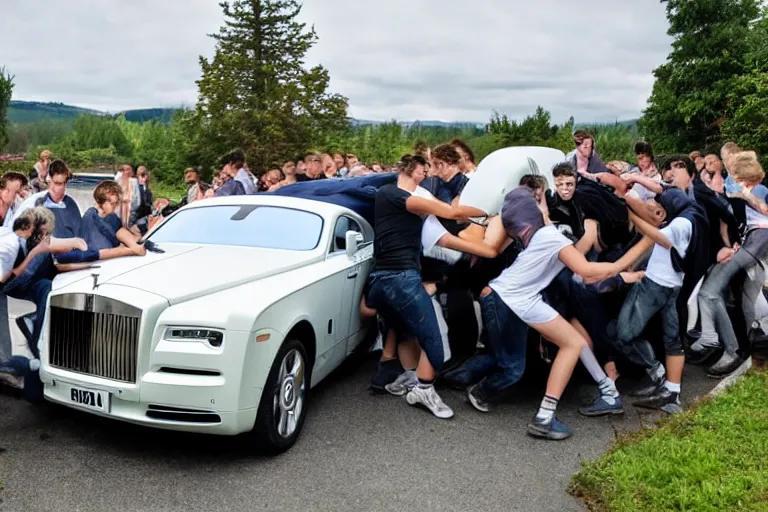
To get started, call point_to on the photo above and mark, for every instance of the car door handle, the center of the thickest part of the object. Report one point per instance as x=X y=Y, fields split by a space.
x=352 y=273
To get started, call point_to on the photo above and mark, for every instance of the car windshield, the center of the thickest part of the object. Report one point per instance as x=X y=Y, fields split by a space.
x=246 y=225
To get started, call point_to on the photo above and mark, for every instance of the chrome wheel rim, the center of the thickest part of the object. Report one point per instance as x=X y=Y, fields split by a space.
x=288 y=402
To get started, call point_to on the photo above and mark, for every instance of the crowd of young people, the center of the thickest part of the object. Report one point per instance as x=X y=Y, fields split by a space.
x=45 y=234
x=617 y=266
x=613 y=265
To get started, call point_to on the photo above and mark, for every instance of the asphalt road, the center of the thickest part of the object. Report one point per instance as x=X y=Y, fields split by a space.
x=357 y=452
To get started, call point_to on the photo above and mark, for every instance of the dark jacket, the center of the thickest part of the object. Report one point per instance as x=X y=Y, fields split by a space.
x=231 y=188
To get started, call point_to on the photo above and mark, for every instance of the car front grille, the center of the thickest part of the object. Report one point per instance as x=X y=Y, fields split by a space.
x=94 y=335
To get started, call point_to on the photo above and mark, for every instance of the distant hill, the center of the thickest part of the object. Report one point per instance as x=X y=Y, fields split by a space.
x=31 y=111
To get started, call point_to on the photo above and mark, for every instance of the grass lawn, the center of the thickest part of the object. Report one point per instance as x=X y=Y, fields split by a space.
x=713 y=457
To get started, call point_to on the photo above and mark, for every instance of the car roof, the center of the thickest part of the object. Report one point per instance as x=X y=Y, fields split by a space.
x=319 y=207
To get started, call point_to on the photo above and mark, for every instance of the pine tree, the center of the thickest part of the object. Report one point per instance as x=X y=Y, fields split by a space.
x=255 y=92
x=690 y=95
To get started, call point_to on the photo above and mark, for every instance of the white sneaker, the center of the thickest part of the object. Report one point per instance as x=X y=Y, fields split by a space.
x=403 y=383
x=428 y=397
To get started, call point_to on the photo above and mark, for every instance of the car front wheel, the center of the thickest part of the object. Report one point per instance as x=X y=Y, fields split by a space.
x=283 y=404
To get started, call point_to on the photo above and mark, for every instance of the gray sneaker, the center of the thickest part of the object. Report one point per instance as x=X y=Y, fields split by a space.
x=672 y=408
x=428 y=397
x=403 y=383
x=477 y=402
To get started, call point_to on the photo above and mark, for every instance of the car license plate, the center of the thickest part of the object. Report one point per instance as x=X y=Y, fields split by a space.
x=89 y=398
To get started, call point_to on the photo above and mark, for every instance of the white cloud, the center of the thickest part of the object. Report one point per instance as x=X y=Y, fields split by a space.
x=417 y=59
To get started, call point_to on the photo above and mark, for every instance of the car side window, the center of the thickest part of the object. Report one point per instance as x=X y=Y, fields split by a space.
x=343 y=225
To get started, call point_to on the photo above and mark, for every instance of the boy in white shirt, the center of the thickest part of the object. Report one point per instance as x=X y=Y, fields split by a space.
x=657 y=293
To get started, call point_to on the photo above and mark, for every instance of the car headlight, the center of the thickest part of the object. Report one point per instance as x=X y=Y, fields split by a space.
x=211 y=336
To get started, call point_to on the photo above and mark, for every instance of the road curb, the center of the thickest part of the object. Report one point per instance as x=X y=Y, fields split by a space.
x=731 y=379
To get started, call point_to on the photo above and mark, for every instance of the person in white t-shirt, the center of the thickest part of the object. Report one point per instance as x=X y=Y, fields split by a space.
x=514 y=300
x=655 y=294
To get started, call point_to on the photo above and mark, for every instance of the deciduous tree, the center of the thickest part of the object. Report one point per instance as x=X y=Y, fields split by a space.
x=690 y=95
x=746 y=120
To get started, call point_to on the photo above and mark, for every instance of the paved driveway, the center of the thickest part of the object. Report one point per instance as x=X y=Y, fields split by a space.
x=357 y=452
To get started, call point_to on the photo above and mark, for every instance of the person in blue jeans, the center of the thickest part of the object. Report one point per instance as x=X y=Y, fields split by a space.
x=519 y=289
x=490 y=374
x=674 y=248
x=395 y=286
x=439 y=243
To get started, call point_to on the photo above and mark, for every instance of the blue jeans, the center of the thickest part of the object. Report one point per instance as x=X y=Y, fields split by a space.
x=400 y=298
x=78 y=256
x=645 y=300
x=506 y=337
x=34 y=284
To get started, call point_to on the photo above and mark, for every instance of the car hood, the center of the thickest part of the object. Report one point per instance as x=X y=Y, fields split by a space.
x=188 y=271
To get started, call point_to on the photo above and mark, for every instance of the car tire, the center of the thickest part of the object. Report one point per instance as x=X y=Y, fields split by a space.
x=283 y=406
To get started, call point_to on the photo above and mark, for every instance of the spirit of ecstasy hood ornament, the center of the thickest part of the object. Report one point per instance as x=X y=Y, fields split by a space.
x=95 y=276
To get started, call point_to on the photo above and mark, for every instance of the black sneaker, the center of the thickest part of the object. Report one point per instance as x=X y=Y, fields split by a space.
x=758 y=338
x=648 y=390
x=385 y=374
x=699 y=354
x=658 y=401
x=726 y=365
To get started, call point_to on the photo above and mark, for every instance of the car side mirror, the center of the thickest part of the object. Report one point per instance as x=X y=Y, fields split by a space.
x=353 y=239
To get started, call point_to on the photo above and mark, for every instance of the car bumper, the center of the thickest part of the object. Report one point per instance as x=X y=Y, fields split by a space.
x=221 y=398
x=152 y=411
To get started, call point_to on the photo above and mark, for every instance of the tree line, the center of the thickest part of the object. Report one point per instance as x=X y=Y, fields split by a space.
x=256 y=94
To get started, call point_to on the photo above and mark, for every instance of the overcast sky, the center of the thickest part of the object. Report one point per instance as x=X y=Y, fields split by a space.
x=406 y=59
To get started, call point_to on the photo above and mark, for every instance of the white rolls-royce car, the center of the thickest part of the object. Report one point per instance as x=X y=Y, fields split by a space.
x=255 y=300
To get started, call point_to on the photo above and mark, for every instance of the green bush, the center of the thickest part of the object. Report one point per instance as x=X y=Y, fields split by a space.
x=22 y=166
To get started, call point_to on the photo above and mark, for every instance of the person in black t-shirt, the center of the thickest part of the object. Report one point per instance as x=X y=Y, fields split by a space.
x=395 y=286
x=563 y=211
